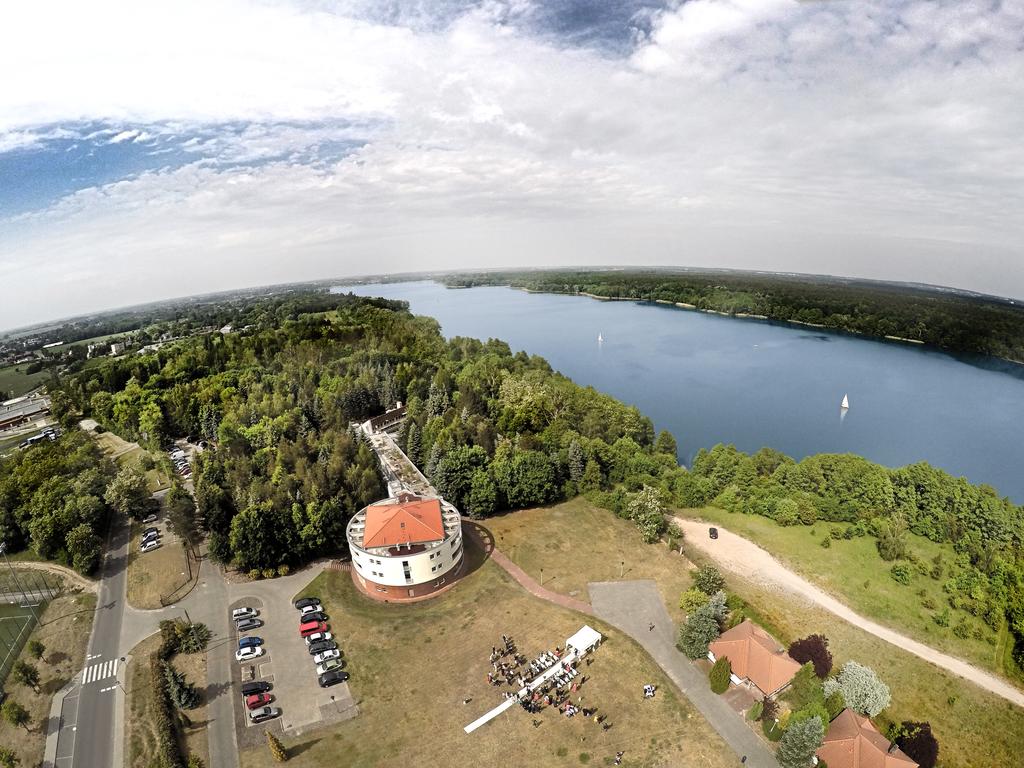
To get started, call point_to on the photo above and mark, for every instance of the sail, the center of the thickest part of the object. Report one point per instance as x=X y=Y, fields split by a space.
x=600 y=338
x=846 y=402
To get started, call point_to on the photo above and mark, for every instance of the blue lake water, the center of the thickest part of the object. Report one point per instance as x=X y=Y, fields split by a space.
x=712 y=379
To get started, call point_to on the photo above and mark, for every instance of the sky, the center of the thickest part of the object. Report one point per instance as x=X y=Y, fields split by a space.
x=152 y=150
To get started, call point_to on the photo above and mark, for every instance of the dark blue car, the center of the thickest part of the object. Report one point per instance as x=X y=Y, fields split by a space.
x=250 y=642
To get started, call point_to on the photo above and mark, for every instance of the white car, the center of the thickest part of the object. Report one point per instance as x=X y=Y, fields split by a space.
x=264 y=713
x=311 y=609
x=318 y=636
x=247 y=654
x=150 y=545
x=244 y=613
x=320 y=658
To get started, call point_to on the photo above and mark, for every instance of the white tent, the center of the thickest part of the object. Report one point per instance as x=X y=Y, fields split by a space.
x=585 y=640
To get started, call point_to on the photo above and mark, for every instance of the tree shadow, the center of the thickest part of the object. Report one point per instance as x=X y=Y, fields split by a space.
x=298 y=749
x=50 y=687
x=56 y=658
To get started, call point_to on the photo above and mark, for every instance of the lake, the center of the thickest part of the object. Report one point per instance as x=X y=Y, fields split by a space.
x=712 y=379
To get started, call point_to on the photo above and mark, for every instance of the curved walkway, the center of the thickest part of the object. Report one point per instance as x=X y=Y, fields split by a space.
x=744 y=557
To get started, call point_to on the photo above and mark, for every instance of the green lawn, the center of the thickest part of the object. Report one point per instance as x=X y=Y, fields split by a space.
x=977 y=730
x=413 y=665
x=13 y=379
x=853 y=571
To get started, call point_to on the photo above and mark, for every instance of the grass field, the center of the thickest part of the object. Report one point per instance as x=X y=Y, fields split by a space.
x=140 y=732
x=156 y=573
x=131 y=454
x=412 y=666
x=64 y=629
x=976 y=730
x=853 y=571
x=13 y=379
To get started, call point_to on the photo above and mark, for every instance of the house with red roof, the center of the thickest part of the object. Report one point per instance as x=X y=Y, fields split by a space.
x=852 y=741
x=756 y=658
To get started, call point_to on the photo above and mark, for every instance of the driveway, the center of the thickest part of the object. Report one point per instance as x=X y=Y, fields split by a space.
x=744 y=557
x=633 y=606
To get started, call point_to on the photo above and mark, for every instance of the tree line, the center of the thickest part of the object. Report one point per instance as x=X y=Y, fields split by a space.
x=955 y=321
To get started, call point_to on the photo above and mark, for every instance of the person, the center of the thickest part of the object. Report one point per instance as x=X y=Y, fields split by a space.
x=651 y=627
x=618 y=758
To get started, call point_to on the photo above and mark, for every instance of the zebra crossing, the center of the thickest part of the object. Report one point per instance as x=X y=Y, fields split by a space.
x=101 y=670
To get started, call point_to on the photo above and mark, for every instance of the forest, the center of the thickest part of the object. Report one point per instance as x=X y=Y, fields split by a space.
x=277 y=401
x=959 y=322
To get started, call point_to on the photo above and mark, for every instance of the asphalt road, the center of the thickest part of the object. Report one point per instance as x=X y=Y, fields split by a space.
x=93 y=733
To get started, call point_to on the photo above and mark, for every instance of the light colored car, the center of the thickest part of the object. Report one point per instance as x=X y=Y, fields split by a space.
x=149 y=546
x=150 y=518
x=247 y=654
x=310 y=639
x=320 y=658
x=244 y=613
x=328 y=665
x=259 y=715
x=314 y=608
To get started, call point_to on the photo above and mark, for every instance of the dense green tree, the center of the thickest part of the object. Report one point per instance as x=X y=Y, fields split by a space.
x=861 y=688
x=799 y=743
x=453 y=475
x=26 y=674
x=702 y=627
x=85 y=548
x=814 y=649
x=708 y=579
x=483 y=495
x=666 y=443
x=15 y=714
x=128 y=494
x=8 y=758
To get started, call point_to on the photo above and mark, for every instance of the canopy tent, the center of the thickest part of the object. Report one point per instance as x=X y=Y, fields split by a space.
x=585 y=640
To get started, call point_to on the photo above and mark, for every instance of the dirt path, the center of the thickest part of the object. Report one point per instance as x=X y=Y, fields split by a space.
x=72 y=576
x=744 y=557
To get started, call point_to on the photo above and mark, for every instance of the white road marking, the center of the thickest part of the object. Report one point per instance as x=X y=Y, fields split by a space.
x=99 y=671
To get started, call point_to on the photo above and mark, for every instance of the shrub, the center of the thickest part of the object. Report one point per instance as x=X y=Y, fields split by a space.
x=826 y=542
x=283 y=570
x=25 y=673
x=702 y=627
x=900 y=573
x=8 y=758
x=194 y=761
x=192 y=638
x=255 y=574
x=719 y=676
x=168 y=750
x=942 y=618
x=769 y=709
x=937 y=568
x=269 y=573
x=917 y=741
x=708 y=579
x=691 y=600
x=799 y=743
x=15 y=714
x=813 y=649
x=771 y=730
x=754 y=713
x=928 y=603
x=36 y=649
x=834 y=704
x=963 y=629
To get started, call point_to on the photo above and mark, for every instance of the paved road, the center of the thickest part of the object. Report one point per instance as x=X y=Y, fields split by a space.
x=742 y=556
x=633 y=606
x=88 y=723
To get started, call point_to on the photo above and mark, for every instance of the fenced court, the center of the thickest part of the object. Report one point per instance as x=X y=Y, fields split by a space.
x=23 y=597
x=16 y=624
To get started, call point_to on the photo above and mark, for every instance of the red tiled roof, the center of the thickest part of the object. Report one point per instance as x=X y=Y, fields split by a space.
x=755 y=655
x=853 y=741
x=412 y=520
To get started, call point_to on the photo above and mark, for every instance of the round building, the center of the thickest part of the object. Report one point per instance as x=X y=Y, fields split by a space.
x=406 y=547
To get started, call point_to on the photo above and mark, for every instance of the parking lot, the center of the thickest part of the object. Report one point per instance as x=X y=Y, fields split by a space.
x=288 y=666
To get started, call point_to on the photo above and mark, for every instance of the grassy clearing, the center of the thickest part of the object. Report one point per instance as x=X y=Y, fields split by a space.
x=156 y=573
x=978 y=729
x=132 y=454
x=194 y=667
x=413 y=665
x=854 y=572
x=64 y=629
x=13 y=379
x=574 y=543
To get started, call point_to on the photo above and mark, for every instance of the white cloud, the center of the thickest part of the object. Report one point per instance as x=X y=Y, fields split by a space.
x=874 y=138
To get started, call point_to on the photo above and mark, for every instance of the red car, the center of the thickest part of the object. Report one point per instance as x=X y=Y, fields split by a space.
x=257 y=700
x=312 y=627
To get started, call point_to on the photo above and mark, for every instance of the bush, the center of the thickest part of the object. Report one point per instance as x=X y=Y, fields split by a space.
x=813 y=649
x=900 y=573
x=269 y=573
x=928 y=603
x=702 y=627
x=192 y=638
x=963 y=629
x=283 y=570
x=826 y=542
x=168 y=750
x=799 y=743
x=834 y=704
x=917 y=741
x=719 y=676
x=754 y=713
x=36 y=649
x=691 y=600
x=708 y=579
x=769 y=709
x=942 y=618
x=255 y=574
x=194 y=761
x=771 y=730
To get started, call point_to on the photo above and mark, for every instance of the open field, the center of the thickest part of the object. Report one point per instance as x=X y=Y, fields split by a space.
x=156 y=573
x=127 y=454
x=13 y=379
x=64 y=629
x=977 y=729
x=853 y=571
x=412 y=666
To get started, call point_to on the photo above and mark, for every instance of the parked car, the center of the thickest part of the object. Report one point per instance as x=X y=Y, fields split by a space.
x=250 y=642
x=259 y=715
x=149 y=546
x=258 y=700
x=320 y=658
x=150 y=518
x=257 y=686
x=302 y=602
x=318 y=636
x=244 y=613
x=311 y=608
x=152 y=529
x=713 y=533
x=245 y=625
x=313 y=616
x=311 y=628
x=149 y=537
x=329 y=665
x=333 y=677
x=322 y=645
x=248 y=654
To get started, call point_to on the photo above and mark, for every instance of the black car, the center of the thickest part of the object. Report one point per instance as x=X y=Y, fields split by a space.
x=333 y=677
x=320 y=646
x=303 y=602
x=150 y=536
x=713 y=533
x=150 y=531
x=314 y=616
x=260 y=686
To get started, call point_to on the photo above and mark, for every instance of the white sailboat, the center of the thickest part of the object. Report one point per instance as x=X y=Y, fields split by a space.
x=846 y=402
x=600 y=338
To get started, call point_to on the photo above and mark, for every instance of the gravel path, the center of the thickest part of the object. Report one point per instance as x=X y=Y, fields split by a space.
x=744 y=557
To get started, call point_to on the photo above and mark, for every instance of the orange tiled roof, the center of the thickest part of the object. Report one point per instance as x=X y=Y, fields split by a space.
x=412 y=520
x=755 y=655
x=853 y=741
